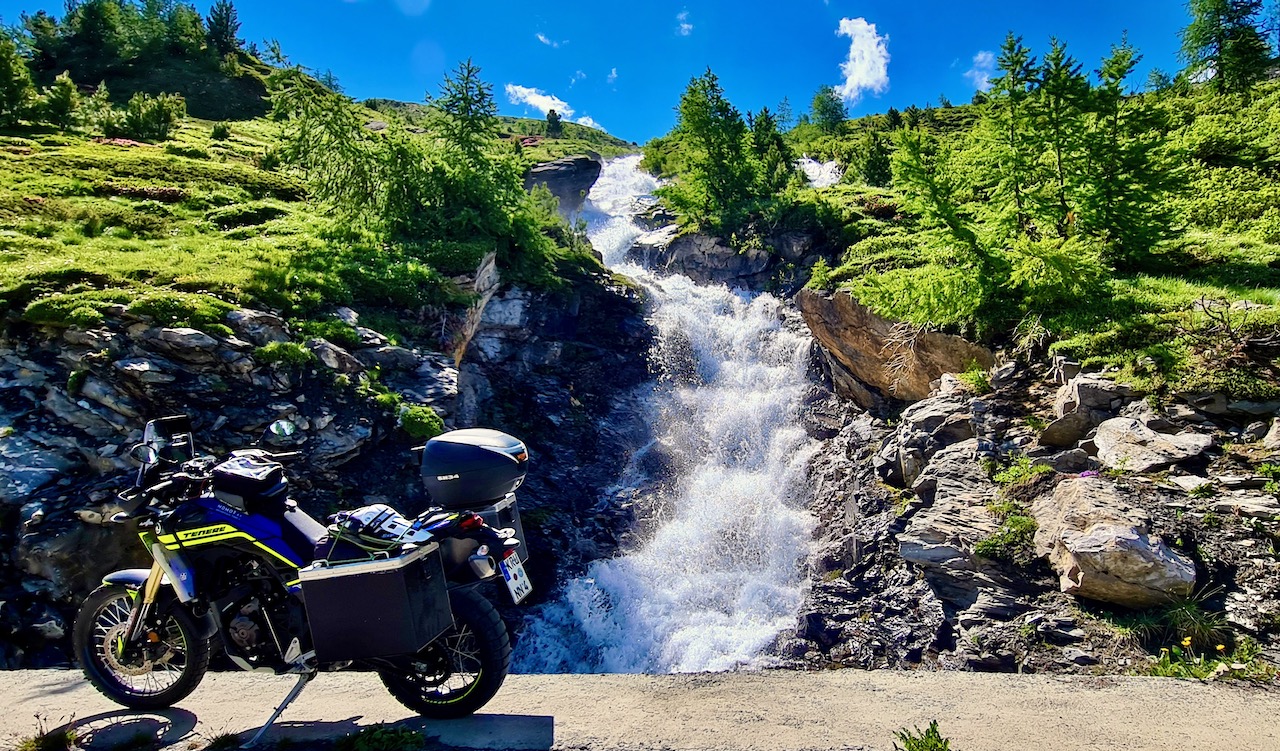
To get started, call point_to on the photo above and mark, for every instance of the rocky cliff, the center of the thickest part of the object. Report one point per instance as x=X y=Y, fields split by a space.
x=569 y=179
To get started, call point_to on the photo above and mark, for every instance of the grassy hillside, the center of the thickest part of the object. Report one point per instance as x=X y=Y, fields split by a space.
x=577 y=139
x=1196 y=310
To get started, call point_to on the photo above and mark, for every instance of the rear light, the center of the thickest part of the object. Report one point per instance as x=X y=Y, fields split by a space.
x=471 y=522
x=508 y=552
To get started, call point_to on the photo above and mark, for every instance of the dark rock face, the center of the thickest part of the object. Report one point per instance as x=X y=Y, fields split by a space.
x=713 y=260
x=569 y=179
x=560 y=371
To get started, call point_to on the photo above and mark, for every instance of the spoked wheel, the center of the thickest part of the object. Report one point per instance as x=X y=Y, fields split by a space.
x=162 y=668
x=459 y=672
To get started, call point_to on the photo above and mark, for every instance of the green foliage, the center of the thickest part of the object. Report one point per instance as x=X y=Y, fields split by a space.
x=16 y=91
x=284 y=353
x=929 y=739
x=222 y=26
x=61 y=103
x=382 y=738
x=223 y=742
x=221 y=131
x=45 y=739
x=1020 y=470
x=975 y=377
x=1224 y=42
x=336 y=331
x=1242 y=663
x=827 y=111
x=555 y=129
x=877 y=167
x=469 y=112
x=420 y=421
x=145 y=118
x=1013 y=543
x=820 y=276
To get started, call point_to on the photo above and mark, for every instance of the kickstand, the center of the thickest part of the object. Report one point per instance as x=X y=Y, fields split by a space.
x=303 y=680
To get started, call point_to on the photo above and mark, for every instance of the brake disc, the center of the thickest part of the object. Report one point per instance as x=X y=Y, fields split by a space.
x=131 y=668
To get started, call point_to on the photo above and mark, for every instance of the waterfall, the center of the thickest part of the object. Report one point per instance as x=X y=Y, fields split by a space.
x=820 y=174
x=719 y=572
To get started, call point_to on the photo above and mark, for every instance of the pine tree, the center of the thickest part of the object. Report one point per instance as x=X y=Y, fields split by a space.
x=62 y=102
x=1223 y=41
x=470 y=116
x=16 y=91
x=554 y=127
x=719 y=176
x=785 y=117
x=877 y=168
x=828 y=110
x=1014 y=140
x=1129 y=176
x=1058 y=115
x=222 y=26
x=773 y=158
x=893 y=119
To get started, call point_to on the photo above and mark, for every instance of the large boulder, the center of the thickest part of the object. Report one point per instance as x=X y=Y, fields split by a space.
x=1092 y=393
x=1125 y=443
x=892 y=358
x=1102 y=547
x=569 y=179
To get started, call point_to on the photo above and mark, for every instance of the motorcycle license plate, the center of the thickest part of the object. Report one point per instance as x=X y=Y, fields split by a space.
x=518 y=583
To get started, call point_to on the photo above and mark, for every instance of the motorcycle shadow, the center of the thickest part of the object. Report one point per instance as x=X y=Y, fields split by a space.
x=479 y=731
x=129 y=728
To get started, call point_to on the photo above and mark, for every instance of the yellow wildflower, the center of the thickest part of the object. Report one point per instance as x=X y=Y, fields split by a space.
x=1186 y=642
x=1222 y=647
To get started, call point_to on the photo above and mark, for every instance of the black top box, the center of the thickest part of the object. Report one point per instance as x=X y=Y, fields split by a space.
x=464 y=469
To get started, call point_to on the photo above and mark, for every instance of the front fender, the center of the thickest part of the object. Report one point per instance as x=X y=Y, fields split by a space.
x=133 y=578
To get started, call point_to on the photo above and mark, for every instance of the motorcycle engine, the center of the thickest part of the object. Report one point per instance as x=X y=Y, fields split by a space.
x=245 y=628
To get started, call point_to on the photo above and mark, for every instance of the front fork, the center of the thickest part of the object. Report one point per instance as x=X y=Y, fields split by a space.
x=142 y=606
x=162 y=564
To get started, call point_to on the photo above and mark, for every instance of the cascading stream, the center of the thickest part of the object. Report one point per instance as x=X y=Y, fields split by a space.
x=719 y=575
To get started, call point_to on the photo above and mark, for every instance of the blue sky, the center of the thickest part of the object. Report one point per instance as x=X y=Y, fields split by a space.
x=623 y=66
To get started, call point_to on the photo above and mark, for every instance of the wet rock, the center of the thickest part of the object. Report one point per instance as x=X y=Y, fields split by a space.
x=27 y=466
x=703 y=258
x=893 y=359
x=146 y=370
x=259 y=327
x=651 y=245
x=1101 y=545
x=569 y=179
x=389 y=358
x=1124 y=442
x=334 y=357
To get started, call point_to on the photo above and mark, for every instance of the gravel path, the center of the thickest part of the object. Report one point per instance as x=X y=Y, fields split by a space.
x=773 y=711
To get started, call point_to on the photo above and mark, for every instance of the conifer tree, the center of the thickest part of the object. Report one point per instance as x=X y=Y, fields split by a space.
x=222 y=27
x=1014 y=140
x=1124 y=197
x=774 y=160
x=1223 y=41
x=719 y=174
x=828 y=111
x=1058 y=115
x=16 y=91
x=893 y=119
x=877 y=169
x=470 y=116
x=62 y=102
x=555 y=128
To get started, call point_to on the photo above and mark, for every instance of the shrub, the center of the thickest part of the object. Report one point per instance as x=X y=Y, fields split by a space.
x=145 y=118
x=1013 y=543
x=244 y=215
x=331 y=329
x=1021 y=469
x=975 y=377
x=284 y=353
x=421 y=421
x=820 y=276
x=191 y=152
x=921 y=740
x=221 y=132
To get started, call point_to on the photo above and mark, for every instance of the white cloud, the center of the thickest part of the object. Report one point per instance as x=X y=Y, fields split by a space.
x=413 y=7
x=553 y=44
x=538 y=99
x=984 y=67
x=867 y=68
x=587 y=121
x=578 y=76
x=613 y=76
x=685 y=28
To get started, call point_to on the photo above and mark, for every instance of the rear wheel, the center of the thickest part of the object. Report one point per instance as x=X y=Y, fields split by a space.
x=462 y=670
x=163 y=668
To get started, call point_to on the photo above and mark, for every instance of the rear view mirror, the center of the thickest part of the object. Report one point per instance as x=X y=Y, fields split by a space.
x=282 y=428
x=144 y=454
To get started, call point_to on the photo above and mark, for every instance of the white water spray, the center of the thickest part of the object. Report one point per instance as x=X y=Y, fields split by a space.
x=820 y=174
x=720 y=573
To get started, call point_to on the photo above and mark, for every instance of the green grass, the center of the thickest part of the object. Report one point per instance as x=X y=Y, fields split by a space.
x=382 y=738
x=929 y=739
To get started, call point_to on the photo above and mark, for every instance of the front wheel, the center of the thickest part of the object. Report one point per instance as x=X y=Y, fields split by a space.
x=162 y=669
x=459 y=672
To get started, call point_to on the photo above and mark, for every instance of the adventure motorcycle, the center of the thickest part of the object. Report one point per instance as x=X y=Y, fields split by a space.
x=236 y=560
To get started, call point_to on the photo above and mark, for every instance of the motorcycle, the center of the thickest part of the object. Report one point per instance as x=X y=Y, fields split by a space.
x=236 y=563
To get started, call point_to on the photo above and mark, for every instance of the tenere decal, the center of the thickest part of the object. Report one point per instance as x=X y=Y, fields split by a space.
x=195 y=534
